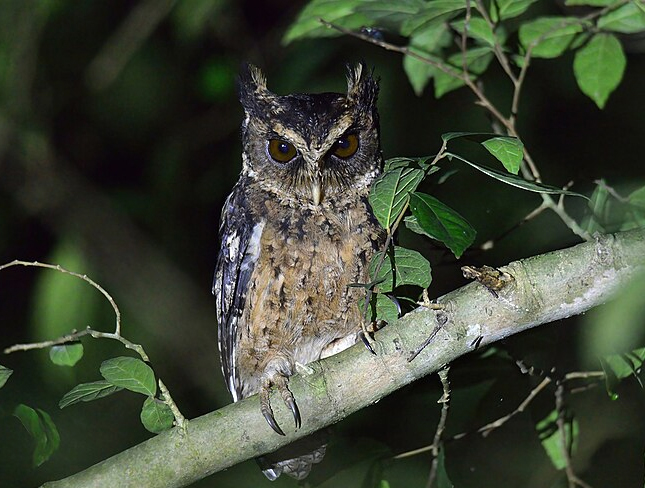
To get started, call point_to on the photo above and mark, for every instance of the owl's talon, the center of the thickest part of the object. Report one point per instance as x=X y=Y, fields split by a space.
x=366 y=342
x=280 y=382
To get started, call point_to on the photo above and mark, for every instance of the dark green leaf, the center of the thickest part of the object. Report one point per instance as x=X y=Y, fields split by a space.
x=131 y=374
x=549 y=37
x=598 y=204
x=628 y=19
x=42 y=429
x=427 y=43
x=432 y=13
x=551 y=438
x=440 y=222
x=390 y=14
x=401 y=267
x=4 y=375
x=599 y=67
x=507 y=9
x=389 y=193
x=86 y=392
x=386 y=309
x=340 y=12
x=156 y=416
x=66 y=354
x=478 y=29
x=591 y=3
x=443 y=481
x=509 y=150
x=518 y=182
x=477 y=60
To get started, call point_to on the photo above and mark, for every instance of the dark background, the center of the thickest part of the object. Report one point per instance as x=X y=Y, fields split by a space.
x=118 y=144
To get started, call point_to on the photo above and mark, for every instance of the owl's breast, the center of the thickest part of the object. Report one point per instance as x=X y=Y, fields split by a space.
x=301 y=297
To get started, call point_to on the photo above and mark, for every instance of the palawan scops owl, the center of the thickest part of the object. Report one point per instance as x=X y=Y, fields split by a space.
x=296 y=232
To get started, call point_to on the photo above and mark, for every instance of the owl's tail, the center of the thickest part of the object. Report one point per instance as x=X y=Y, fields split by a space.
x=296 y=459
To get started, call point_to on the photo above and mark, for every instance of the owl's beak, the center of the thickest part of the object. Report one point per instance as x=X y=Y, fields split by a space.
x=316 y=192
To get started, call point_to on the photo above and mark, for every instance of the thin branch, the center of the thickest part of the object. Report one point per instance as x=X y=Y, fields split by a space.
x=565 y=439
x=441 y=426
x=87 y=279
x=95 y=334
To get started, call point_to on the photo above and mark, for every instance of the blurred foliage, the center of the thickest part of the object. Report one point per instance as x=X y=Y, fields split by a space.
x=119 y=142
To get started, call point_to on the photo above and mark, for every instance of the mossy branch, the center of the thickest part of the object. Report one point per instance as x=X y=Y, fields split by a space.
x=544 y=289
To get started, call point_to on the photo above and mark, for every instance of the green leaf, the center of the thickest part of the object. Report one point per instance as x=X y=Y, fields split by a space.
x=42 y=429
x=401 y=267
x=389 y=193
x=443 y=481
x=432 y=13
x=340 y=12
x=425 y=42
x=599 y=67
x=156 y=416
x=131 y=374
x=422 y=163
x=628 y=19
x=591 y=3
x=390 y=14
x=478 y=29
x=598 y=204
x=507 y=9
x=551 y=438
x=509 y=150
x=477 y=60
x=66 y=354
x=386 y=309
x=549 y=37
x=4 y=375
x=516 y=181
x=86 y=392
x=442 y=223
x=625 y=365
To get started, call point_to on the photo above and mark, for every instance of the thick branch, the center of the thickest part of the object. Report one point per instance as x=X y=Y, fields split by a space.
x=546 y=288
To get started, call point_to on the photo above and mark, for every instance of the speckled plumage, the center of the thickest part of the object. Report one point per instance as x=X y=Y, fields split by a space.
x=294 y=235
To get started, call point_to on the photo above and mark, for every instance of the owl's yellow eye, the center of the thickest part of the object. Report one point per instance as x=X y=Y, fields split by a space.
x=346 y=146
x=281 y=151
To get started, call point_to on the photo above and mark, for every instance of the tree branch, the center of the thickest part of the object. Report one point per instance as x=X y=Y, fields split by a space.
x=545 y=288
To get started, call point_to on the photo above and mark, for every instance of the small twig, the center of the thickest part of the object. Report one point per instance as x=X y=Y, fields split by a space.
x=441 y=426
x=87 y=279
x=180 y=420
x=561 y=423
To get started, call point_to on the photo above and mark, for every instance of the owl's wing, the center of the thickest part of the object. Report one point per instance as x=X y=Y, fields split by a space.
x=240 y=247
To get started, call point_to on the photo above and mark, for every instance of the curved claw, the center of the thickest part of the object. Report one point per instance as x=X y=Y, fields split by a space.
x=291 y=403
x=366 y=342
x=268 y=416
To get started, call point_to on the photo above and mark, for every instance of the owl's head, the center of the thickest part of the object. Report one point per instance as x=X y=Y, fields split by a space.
x=305 y=148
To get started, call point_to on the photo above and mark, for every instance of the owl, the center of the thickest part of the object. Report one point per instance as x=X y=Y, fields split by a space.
x=296 y=233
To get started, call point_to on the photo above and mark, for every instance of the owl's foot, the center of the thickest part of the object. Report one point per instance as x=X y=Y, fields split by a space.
x=280 y=382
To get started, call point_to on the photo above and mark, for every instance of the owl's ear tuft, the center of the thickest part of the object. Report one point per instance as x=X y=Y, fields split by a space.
x=362 y=87
x=252 y=88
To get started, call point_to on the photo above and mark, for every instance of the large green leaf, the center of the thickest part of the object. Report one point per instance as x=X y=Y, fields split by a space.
x=552 y=441
x=477 y=60
x=599 y=67
x=386 y=13
x=426 y=42
x=628 y=19
x=516 y=181
x=4 y=375
x=66 y=354
x=131 y=374
x=477 y=28
x=43 y=430
x=389 y=193
x=86 y=392
x=507 y=9
x=509 y=150
x=549 y=37
x=432 y=13
x=156 y=416
x=340 y=12
x=440 y=222
x=401 y=266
